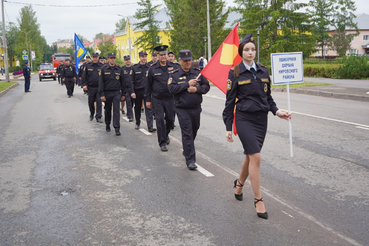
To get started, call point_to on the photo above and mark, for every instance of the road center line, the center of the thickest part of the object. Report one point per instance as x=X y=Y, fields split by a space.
x=362 y=128
x=310 y=115
x=278 y=199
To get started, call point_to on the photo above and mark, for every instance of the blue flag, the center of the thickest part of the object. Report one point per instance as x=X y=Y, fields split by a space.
x=79 y=50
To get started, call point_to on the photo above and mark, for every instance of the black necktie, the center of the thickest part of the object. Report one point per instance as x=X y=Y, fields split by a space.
x=252 y=70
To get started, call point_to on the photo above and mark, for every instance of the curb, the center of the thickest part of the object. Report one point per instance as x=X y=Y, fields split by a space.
x=363 y=98
x=8 y=89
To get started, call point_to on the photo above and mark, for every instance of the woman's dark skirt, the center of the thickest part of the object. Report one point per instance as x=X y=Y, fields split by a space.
x=251 y=129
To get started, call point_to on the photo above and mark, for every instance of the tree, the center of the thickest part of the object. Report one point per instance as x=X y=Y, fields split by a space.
x=107 y=47
x=101 y=35
x=282 y=27
x=189 y=25
x=147 y=22
x=322 y=14
x=120 y=25
x=12 y=33
x=83 y=39
x=28 y=24
x=344 y=20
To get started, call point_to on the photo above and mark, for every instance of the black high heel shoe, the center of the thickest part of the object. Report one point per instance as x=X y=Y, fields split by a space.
x=240 y=196
x=260 y=215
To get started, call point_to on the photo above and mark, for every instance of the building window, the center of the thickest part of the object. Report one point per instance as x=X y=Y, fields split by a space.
x=366 y=37
x=352 y=52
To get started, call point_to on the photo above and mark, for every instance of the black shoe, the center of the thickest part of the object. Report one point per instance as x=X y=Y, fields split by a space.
x=27 y=91
x=192 y=166
x=108 y=128
x=168 y=140
x=260 y=215
x=123 y=112
x=137 y=127
x=91 y=117
x=152 y=129
x=117 y=132
x=69 y=96
x=163 y=148
x=99 y=120
x=240 y=196
x=130 y=119
x=142 y=110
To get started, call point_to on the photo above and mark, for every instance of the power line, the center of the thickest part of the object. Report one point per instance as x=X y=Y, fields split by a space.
x=74 y=6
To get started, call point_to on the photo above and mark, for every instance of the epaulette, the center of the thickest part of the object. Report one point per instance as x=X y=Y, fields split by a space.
x=263 y=66
x=152 y=64
x=175 y=70
x=196 y=68
x=118 y=65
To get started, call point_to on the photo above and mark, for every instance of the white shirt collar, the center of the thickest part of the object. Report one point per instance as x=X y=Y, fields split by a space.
x=248 y=67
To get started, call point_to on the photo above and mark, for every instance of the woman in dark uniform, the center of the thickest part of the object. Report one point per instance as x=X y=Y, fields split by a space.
x=248 y=87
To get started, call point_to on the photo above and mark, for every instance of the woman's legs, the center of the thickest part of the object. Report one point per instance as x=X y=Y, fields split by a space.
x=243 y=174
x=254 y=173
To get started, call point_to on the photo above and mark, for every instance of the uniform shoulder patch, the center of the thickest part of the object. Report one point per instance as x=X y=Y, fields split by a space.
x=130 y=73
x=229 y=84
x=170 y=80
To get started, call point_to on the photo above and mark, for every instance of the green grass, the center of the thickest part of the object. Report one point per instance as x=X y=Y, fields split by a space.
x=305 y=84
x=4 y=85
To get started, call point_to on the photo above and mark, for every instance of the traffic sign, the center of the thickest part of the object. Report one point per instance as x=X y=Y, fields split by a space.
x=24 y=52
x=25 y=57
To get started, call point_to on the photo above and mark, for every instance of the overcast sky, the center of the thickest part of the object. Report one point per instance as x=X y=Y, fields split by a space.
x=63 y=22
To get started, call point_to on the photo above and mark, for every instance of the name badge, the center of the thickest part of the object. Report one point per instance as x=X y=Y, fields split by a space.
x=157 y=74
x=90 y=69
x=138 y=72
x=264 y=80
x=107 y=73
x=181 y=82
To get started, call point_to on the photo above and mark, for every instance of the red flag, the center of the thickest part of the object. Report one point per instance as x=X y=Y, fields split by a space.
x=226 y=57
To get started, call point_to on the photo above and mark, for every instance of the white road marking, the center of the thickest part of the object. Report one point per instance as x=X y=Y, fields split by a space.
x=362 y=128
x=204 y=171
x=199 y=168
x=278 y=199
x=145 y=132
x=125 y=118
x=287 y=214
x=310 y=115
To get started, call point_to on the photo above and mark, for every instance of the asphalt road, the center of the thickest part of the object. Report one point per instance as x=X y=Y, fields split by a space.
x=65 y=181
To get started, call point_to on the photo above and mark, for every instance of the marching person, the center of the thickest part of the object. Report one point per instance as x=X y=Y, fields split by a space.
x=69 y=77
x=187 y=91
x=154 y=58
x=90 y=82
x=139 y=74
x=250 y=84
x=158 y=97
x=27 y=77
x=58 y=71
x=112 y=88
x=126 y=73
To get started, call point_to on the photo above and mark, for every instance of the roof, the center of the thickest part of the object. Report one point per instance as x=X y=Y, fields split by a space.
x=68 y=41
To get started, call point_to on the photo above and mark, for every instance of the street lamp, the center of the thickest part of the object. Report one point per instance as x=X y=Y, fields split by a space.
x=205 y=38
x=258 y=31
x=129 y=34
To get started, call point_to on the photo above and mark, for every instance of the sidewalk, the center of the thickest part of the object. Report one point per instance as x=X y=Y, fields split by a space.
x=11 y=77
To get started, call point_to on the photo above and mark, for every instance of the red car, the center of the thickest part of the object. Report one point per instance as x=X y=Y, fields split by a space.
x=46 y=71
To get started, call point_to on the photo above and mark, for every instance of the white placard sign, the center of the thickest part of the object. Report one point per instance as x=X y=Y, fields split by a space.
x=287 y=68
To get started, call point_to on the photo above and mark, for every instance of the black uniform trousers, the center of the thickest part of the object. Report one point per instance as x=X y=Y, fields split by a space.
x=163 y=110
x=59 y=78
x=129 y=105
x=148 y=112
x=69 y=84
x=93 y=96
x=112 y=100
x=27 y=84
x=189 y=121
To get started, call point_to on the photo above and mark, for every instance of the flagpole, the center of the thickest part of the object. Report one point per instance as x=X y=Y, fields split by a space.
x=208 y=23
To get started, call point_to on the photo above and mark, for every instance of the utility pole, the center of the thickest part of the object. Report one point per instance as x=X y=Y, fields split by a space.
x=208 y=22
x=5 y=45
x=129 y=37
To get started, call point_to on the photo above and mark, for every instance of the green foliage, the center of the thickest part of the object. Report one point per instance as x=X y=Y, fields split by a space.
x=5 y=85
x=189 y=24
x=145 y=15
x=282 y=27
x=13 y=69
x=353 y=67
x=321 y=71
x=101 y=35
x=107 y=47
x=121 y=25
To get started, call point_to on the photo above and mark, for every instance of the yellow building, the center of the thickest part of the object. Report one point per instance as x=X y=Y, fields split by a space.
x=130 y=35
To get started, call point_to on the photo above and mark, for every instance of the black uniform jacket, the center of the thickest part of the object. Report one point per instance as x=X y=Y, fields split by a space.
x=68 y=72
x=139 y=76
x=81 y=70
x=157 y=81
x=59 y=69
x=91 y=75
x=178 y=85
x=127 y=78
x=111 y=79
x=253 y=94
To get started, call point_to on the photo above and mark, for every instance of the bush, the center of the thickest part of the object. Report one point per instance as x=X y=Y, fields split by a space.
x=353 y=67
x=320 y=70
x=13 y=69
